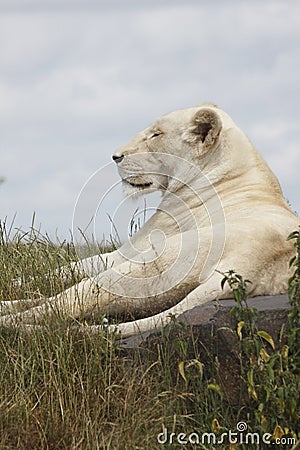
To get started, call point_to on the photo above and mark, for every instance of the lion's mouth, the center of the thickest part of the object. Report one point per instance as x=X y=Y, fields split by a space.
x=139 y=185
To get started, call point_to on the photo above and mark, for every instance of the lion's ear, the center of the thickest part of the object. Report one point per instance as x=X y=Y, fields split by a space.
x=205 y=127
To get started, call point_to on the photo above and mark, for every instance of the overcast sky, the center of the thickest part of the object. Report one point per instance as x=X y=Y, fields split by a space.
x=78 y=78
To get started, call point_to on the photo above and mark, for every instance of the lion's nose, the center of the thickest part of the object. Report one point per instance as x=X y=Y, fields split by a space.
x=117 y=158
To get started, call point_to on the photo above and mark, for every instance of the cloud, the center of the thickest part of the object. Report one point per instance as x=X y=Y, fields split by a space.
x=80 y=78
x=84 y=5
x=277 y=139
x=272 y=130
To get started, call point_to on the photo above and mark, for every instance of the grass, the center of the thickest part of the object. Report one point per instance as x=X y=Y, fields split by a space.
x=61 y=389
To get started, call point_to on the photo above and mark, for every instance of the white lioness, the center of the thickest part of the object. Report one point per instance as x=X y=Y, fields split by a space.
x=222 y=208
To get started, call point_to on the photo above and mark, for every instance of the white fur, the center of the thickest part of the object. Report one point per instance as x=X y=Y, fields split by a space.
x=222 y=208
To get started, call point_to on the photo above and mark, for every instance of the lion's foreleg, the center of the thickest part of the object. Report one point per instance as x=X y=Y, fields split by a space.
x=7 y=306
x=209 y=291
x=89 y=267
x=81 y=297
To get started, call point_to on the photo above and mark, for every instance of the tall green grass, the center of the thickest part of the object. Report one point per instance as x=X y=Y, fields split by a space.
x=31 y=264
x=61 y=388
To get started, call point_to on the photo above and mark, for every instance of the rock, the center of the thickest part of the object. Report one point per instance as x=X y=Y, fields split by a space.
x=210 y=331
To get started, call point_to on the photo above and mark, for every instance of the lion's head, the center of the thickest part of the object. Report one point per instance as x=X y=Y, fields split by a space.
x=180 y=144
x=187 y=134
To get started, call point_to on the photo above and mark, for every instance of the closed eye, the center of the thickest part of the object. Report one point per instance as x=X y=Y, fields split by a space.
x=155 y=134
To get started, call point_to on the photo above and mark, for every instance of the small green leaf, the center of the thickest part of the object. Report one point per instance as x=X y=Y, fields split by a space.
x=216 y=388
x=278 y=432
x=264 y=335
x=264 y=355
x=181 y=370
x=252 y=392
x=271 y=373
x=293 y=235
x=291 y=263
x=251 y=388
x=223 y=283
x=215 y=426
x=240 y=326
x=285 y=352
